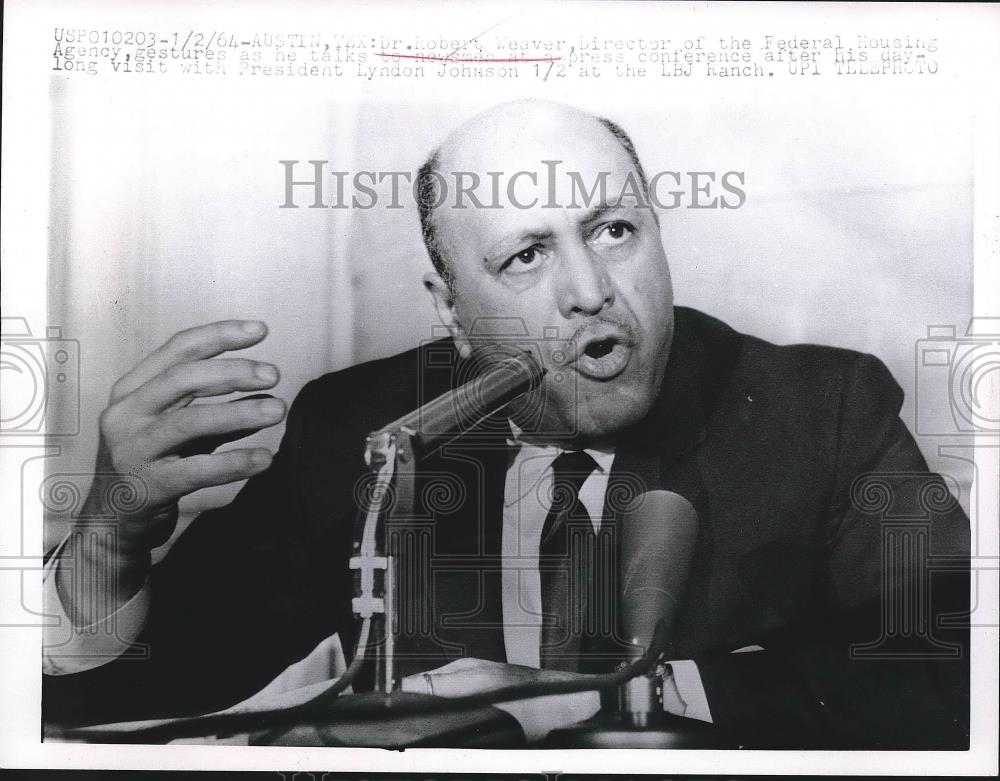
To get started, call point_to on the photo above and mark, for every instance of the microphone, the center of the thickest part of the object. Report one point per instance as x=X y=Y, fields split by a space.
x=659 y=530
x=499 y=382
x=503 y=376
x=658 y=535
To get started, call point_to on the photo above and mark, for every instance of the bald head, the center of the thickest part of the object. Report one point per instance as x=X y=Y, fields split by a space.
x=528 y=130
x=539 y=126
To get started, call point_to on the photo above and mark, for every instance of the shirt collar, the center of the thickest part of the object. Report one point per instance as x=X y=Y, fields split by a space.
x=602 y=457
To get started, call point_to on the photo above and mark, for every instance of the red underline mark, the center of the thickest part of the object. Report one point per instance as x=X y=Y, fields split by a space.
x=432 y=58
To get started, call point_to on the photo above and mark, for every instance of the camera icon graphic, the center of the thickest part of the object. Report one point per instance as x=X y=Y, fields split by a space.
x=39 y=381
x=958 y=380
x=492 y=340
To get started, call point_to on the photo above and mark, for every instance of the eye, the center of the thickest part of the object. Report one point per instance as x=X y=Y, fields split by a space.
x=524 y=261
x=613 y=234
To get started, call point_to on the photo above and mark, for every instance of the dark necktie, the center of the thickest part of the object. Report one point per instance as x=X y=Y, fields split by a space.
x=566 y=558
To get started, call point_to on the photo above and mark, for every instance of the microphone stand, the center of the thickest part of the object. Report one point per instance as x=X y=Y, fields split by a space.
x=632 y=716
x=390 y=456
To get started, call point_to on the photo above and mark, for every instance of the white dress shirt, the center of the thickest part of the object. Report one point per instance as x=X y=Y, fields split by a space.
x=527 y=499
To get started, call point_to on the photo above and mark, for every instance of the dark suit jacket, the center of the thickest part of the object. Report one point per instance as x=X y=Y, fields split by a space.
x=820 y=536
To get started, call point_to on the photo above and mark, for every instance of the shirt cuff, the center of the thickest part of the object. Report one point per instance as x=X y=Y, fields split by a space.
x=684 y=693
x=540 y=715
x=68 y=649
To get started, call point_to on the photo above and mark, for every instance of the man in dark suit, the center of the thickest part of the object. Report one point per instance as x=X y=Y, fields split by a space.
x=809 y=492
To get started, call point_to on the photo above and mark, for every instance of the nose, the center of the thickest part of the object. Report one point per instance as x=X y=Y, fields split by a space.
x=584 y=286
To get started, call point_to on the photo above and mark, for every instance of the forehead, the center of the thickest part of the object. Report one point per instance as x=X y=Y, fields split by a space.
x=502 y=150
x=519 y=138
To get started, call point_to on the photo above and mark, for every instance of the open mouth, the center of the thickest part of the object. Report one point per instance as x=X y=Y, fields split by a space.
x=603 y=357
x=599 y=348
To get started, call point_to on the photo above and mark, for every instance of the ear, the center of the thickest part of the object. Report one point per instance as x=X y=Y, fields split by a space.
x=444 y=303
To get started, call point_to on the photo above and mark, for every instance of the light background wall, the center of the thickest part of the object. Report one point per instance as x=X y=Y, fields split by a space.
x=856 y=231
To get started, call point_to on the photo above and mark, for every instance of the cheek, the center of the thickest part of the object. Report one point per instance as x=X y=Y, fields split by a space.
x=477 y=304
x=649 y=298
x=495 y=309
x=649 y=286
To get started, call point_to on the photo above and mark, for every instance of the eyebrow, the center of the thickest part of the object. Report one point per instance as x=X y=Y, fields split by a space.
x=509 y=244
x=602 y=209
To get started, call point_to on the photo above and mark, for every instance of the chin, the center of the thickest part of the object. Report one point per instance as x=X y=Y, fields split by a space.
x=610 y=414
x=582 y=415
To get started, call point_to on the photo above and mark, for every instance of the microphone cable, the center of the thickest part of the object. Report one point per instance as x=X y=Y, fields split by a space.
x=322 y=708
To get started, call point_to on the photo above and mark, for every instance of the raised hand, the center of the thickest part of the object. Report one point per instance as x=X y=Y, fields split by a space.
x=152 y=434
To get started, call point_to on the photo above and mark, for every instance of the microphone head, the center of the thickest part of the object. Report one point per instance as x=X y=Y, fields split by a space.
x=659 y=530
x=510 y=373
x=501 y=369
x=498 y=377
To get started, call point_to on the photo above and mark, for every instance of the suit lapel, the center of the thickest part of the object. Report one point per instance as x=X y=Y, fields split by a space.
x=452 y=597
x=656 y=453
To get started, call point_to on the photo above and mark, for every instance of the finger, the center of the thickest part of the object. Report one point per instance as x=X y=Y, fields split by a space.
x=204 y=341
x=208 y=444
x=203 y=427
x=178 y=477
x=421 y=683
x=442 y=680
x=197 y=379
x=457 y=684
x=466 y=663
